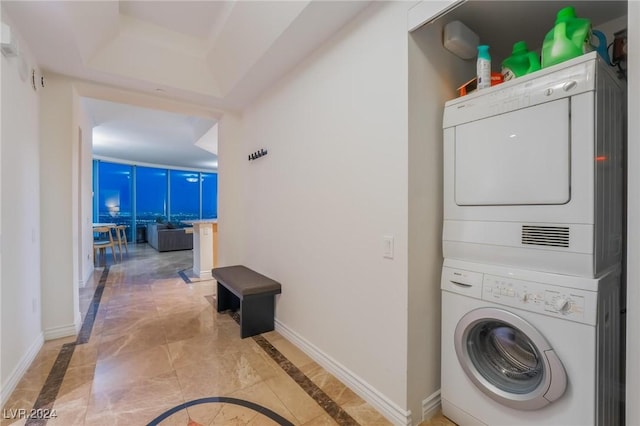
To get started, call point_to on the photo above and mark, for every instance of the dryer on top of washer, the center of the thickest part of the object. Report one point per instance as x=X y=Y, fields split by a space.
x=529 y=348
x=533 y=171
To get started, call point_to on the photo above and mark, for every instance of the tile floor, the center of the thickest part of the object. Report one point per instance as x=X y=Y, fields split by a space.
x=156 y=344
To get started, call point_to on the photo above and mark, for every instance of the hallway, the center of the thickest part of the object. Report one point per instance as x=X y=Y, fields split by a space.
x=151 y=344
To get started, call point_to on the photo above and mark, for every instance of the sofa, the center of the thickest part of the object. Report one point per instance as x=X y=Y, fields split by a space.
x=167 y=237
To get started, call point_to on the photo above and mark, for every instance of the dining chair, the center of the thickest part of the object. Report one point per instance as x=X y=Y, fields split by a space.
x=121 y=234
x=102 y=238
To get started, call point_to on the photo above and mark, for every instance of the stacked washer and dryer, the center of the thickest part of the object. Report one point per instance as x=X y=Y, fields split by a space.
x=532 y=240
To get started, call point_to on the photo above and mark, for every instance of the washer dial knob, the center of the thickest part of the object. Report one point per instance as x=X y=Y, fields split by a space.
x=561 y=304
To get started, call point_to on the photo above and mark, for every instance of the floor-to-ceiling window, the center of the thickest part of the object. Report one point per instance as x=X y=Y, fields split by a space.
x=151 y=197
x=209 y=195
x=136 y=195
x=114 y=201
x=184 y=195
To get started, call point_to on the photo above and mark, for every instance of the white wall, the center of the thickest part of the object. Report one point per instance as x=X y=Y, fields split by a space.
x=82 y=182
x=58 y=127
x=20 y=220
x=231 y=176
x=333 y=184
x=433 y=75
x=2 y=397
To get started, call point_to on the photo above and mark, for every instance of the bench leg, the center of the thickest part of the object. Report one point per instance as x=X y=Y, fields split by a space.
x=226 y=300
x=256 y=315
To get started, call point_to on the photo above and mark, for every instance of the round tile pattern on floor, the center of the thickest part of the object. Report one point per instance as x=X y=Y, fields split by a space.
x=224 y=400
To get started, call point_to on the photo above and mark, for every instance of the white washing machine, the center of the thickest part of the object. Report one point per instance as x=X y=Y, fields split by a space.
x=522 y=347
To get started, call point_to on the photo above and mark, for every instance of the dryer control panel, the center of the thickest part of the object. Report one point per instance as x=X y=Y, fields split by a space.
x=573 y=77
x=562 y=302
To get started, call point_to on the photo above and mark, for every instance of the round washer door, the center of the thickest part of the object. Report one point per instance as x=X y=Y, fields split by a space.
x=508 y=359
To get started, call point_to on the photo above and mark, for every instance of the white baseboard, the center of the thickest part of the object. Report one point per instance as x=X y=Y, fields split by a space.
x=384 y=405
x=431 y=405
x=61 y=331
x=17 y=373
x=204 y=275
x=82 y=283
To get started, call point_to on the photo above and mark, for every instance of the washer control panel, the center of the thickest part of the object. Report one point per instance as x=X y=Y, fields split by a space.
x=568 y=303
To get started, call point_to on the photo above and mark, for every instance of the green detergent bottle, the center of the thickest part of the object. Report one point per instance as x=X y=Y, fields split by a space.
x=568 y=39
x=521 y=62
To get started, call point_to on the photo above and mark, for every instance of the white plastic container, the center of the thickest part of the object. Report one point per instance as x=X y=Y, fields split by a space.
x=460 y=40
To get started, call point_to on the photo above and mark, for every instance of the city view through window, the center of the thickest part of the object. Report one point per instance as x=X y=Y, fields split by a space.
x=135 y=196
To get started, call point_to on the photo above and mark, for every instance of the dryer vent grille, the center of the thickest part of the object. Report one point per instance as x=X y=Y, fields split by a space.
x=554 y=236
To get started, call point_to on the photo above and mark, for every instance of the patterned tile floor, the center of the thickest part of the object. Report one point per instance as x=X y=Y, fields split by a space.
x=151 y=343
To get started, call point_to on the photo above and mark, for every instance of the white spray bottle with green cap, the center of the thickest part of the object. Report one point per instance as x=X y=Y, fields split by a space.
x=483 y=67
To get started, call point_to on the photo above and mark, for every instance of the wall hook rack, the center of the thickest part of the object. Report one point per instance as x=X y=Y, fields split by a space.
x=257 y=154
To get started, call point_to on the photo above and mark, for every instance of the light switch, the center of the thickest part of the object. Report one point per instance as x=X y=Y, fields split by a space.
x=387 y=246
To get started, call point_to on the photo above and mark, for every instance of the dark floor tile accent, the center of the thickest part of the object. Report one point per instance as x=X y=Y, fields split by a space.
x=224 y=400
x=322 y=399
x=90 y=318
x=332 y=408
x=49 y=391
x=51 y=387
x=184 y=277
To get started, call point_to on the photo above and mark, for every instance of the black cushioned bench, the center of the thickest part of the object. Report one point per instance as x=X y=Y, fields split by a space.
x=242 y=288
